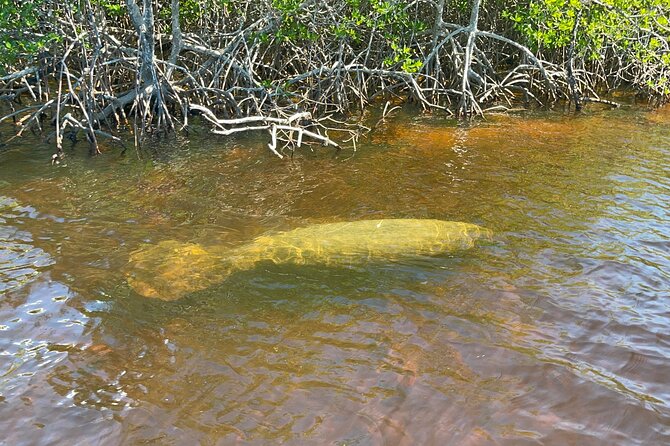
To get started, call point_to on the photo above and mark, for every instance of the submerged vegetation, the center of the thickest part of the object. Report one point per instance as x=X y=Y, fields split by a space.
x=299 y=68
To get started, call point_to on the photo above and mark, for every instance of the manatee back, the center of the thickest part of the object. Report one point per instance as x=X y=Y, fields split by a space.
x=345 y=242
x=171 y=269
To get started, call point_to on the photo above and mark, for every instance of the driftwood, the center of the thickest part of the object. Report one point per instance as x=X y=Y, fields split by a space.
x=291 y=124
x=614 y=104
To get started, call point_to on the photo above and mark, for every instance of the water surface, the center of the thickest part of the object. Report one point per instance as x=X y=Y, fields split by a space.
x=553 y=333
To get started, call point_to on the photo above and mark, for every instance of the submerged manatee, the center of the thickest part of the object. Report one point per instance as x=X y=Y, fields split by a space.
x=172 y=269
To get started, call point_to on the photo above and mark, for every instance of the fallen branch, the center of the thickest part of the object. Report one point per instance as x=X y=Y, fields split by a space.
x=249 y=119
x=600 y=101
x=289 y=124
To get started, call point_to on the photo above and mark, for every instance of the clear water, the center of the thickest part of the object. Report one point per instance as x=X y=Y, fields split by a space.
x=554 y=333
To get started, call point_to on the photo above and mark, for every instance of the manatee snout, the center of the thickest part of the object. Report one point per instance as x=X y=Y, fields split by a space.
x=475 y=232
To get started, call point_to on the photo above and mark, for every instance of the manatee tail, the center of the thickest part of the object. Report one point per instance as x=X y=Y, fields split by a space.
x=171 y=269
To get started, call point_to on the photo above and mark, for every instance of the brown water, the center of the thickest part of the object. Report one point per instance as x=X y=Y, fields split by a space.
x=554 y=333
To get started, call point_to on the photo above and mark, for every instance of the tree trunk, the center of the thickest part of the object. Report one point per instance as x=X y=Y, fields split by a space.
x=467 y=104
x=177 y=40
x=572 y=82
x=143 y=21
x=150 y=98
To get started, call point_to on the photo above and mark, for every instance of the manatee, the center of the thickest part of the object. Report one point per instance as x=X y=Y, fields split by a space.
x=171 y=269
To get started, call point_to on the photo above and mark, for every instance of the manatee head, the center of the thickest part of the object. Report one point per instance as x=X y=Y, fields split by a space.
x=455 y=236
x=474 y=232
x=170 y=270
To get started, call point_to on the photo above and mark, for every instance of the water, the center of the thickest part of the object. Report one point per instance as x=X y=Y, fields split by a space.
x=553 y=333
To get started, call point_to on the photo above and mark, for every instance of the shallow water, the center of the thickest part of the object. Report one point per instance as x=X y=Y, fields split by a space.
x=553 y=333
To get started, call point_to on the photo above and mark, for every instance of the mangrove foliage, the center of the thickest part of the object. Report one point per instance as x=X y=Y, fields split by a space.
x=299 y=68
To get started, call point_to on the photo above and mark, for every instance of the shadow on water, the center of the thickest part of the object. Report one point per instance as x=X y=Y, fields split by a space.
x=554 y=333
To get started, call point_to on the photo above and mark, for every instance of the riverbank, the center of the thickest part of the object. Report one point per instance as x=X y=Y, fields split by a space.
x=300 y=70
